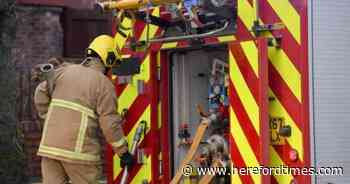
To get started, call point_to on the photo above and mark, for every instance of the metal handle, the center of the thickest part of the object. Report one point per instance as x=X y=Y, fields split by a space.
x=139 y=131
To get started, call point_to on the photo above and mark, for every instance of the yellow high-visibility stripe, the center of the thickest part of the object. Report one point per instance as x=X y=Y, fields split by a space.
x=158 y=60
x=73 y=106
x=159 y=115
x=276 y=109
x=144 y=70
x=244 y=94
x=119 y=39
x=235 y=178
x=146 y=116
x=251 y=52
x=169 y=45
x=289 y=16
x=247 y=13
x=144 y=174
x=119 y=143
x=152 y=28
x=130 y=93
x=81 y=135
x=243 y=146
x=85 y=112
x=127 y=97
x=68 y=154
x=278 y=57
x=276 y=161
x=228 y=38
x=287 y=70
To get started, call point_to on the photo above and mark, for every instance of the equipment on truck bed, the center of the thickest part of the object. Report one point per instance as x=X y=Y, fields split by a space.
x=195 y=18
x=184 y=135
x=205 y=122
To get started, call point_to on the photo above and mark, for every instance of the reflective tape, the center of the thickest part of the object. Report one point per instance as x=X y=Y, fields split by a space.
x=119 y=143
x=68 y=154
x=82 y=132
x=73 y=106
x=77 y=153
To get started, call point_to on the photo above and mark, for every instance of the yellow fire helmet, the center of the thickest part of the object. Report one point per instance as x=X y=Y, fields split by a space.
x=105 y=47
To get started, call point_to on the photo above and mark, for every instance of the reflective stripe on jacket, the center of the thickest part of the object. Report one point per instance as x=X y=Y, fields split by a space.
x=82 y=104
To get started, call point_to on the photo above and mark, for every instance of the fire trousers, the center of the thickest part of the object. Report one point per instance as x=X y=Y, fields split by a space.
x=59 y=172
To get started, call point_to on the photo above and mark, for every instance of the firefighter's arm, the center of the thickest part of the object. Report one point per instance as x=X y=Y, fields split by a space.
x=109 y=120
x=42 y=99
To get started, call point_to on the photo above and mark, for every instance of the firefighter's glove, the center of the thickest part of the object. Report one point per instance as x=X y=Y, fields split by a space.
x=127 y=160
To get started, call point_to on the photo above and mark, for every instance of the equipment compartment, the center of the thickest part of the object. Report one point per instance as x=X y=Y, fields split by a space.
x=199 y=90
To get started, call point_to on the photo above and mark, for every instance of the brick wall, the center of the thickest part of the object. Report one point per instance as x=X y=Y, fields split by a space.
x=39 y=36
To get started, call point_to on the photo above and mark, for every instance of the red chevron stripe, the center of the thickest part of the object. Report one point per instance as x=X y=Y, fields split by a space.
x=289 y=44
x=121 y=87
x=238 y=161
x=137 y=167
x=284 y=95
x=244 y=121
x=135 y=112
x=139 y=27
x=243 y=32
x=298 y=5
x=273 y=180
x=246 y=69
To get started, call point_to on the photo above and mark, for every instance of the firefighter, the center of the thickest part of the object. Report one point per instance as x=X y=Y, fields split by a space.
x=77 y=102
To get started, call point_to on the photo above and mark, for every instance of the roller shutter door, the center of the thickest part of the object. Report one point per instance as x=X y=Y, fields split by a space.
x=331 y=86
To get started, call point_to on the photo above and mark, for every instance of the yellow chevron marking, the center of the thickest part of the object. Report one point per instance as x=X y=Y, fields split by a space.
x=158 y=60
x=116 y=167
x=146 y=116
x=235 y=179
x=276 y=109
x=251 y=52
x=244 y=94
x=130 y=93
x=144 y=174
x=169 y=45
x=160 y=115
x=288 y=15
x=278 y=57
x=119 y=39
x=244 y=148
x=226 y=38
x=144 y=71
x=276 y=161
x=247 y=13
x=287 y=70
x=152 y=28
x=127 y=97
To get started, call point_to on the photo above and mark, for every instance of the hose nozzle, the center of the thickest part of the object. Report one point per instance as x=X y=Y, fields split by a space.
x=46 y=68
x=105 y=6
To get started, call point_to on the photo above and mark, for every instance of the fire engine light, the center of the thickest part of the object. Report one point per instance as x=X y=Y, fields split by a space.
x=293 y=155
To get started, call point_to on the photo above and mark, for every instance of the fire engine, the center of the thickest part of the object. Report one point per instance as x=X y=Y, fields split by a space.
x=212 y=83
